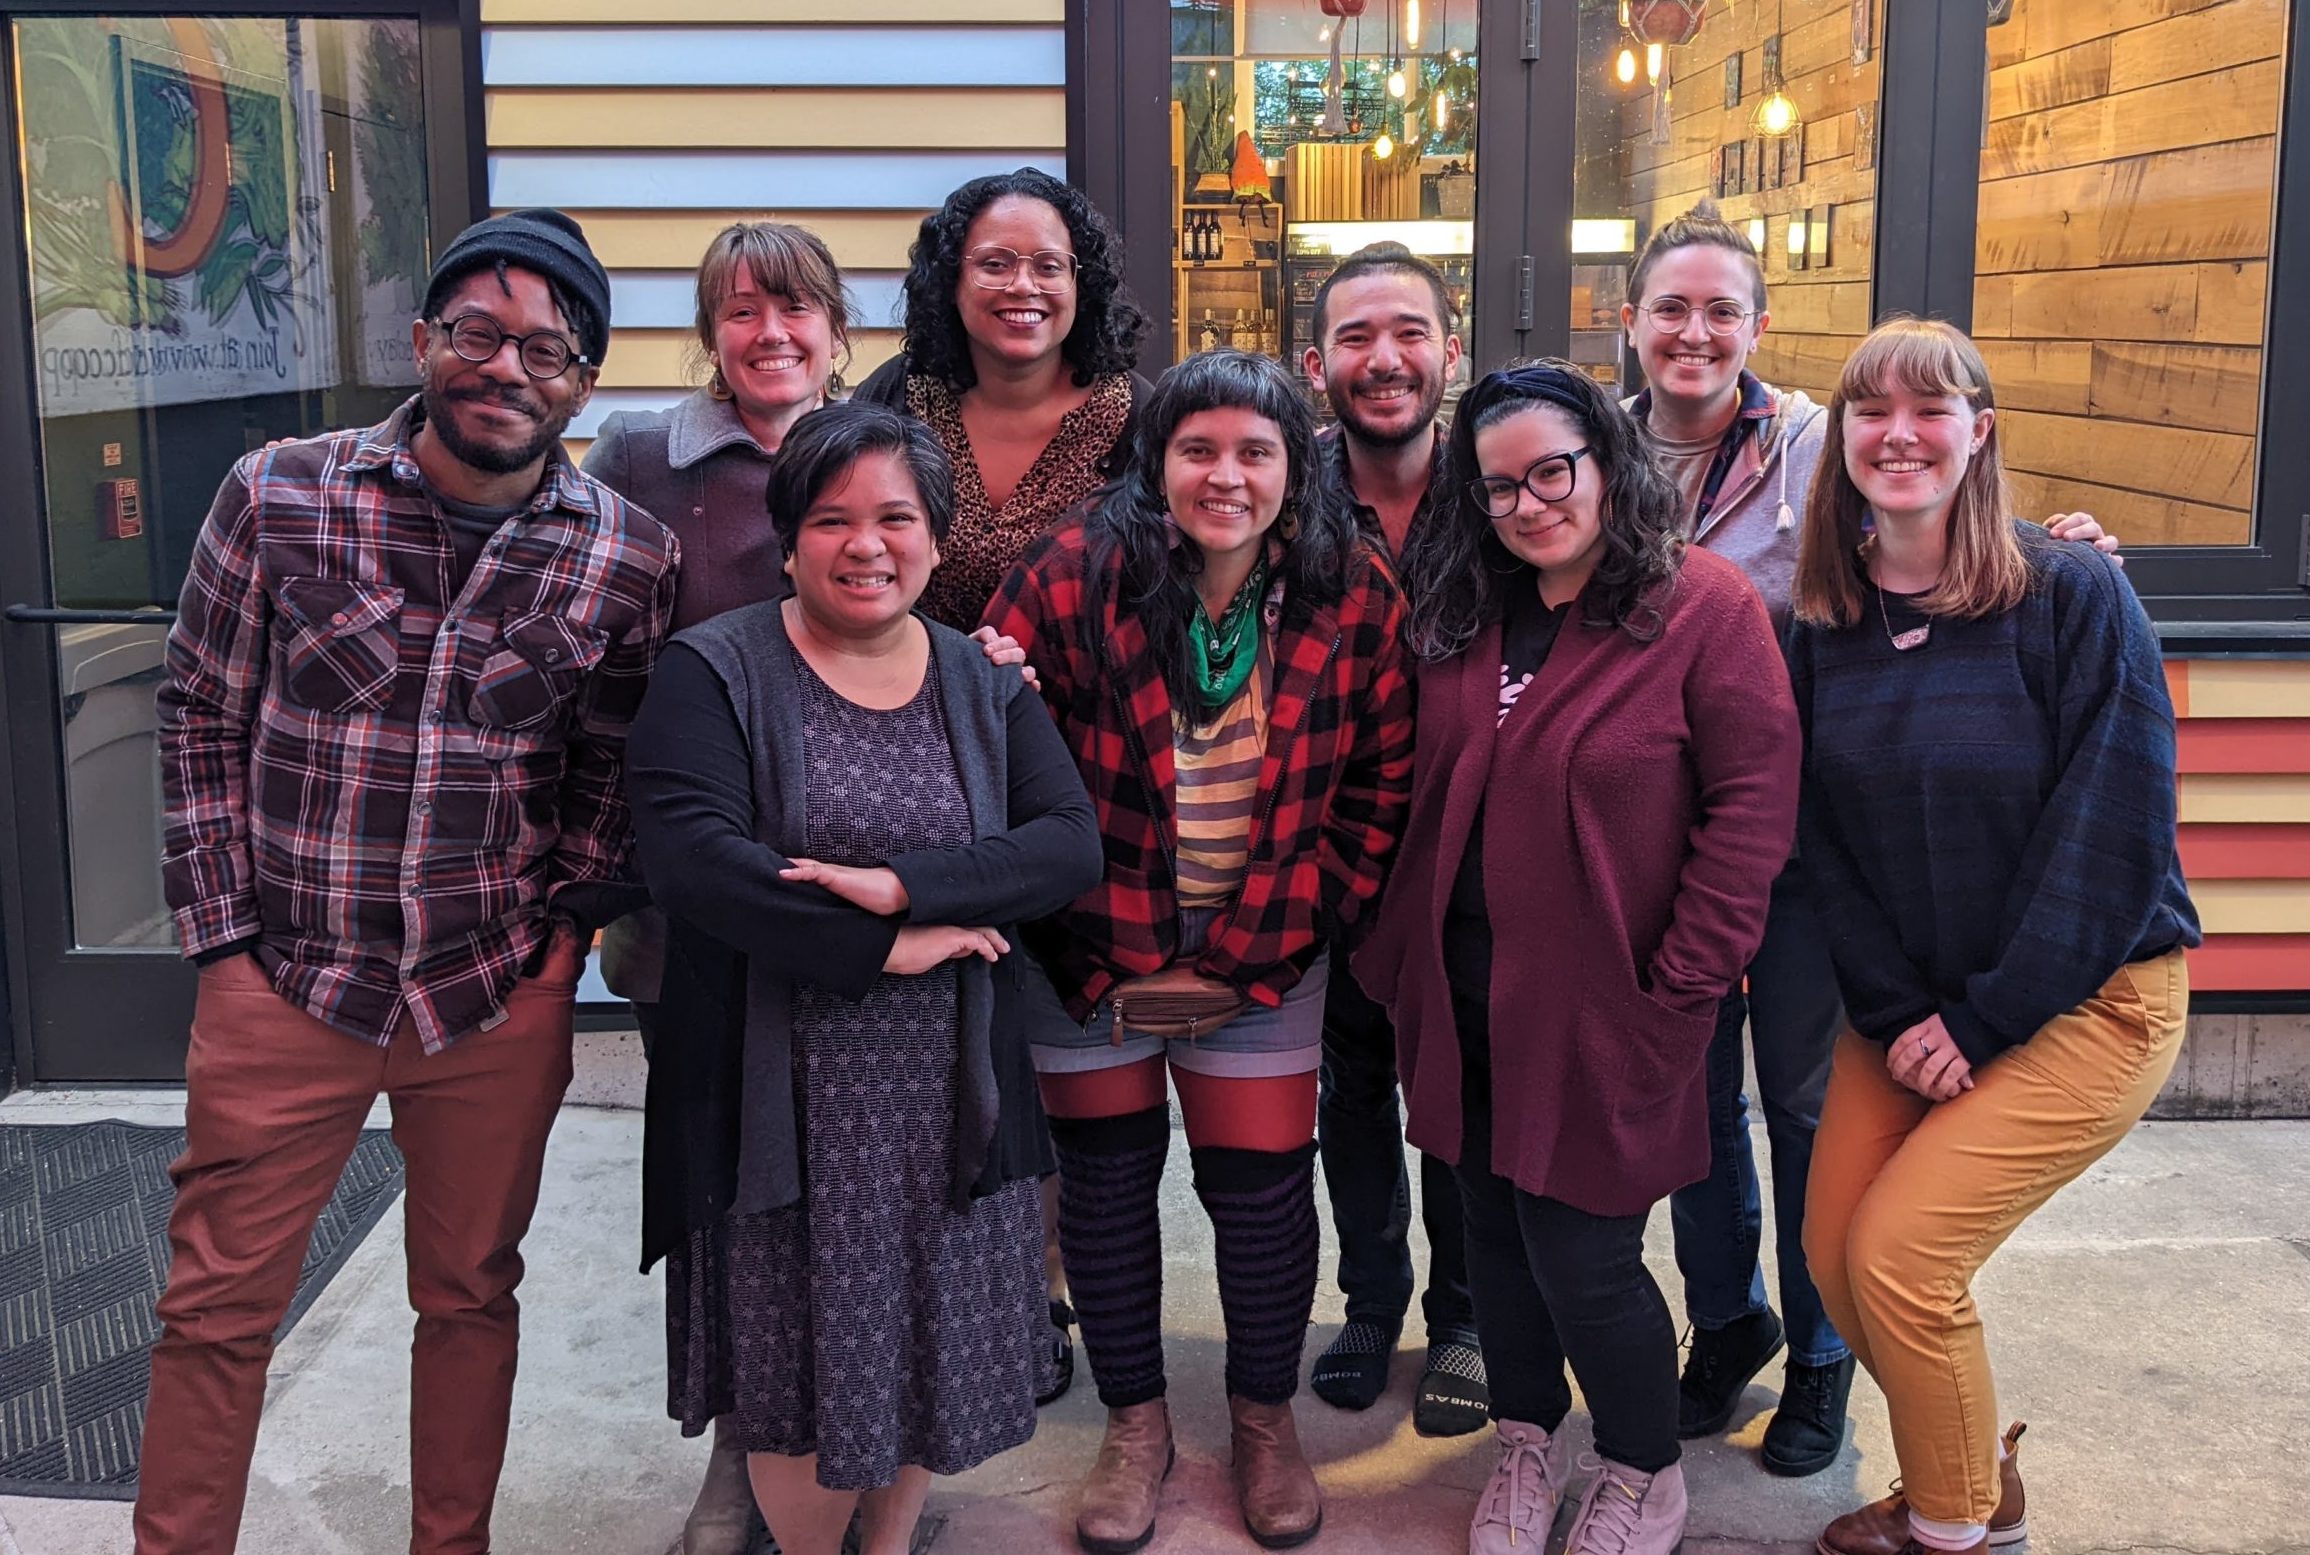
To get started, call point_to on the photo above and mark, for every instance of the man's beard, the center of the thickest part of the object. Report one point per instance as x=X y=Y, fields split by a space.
x=1428 y=391
x=490 y=458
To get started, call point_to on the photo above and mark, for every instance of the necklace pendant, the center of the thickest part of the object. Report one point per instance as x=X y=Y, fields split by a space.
x=1912 y=638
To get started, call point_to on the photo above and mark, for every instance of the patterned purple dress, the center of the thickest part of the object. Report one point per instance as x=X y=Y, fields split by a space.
x=869 y=1323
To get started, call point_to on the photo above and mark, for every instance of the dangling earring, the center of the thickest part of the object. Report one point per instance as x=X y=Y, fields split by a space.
x=717 y=386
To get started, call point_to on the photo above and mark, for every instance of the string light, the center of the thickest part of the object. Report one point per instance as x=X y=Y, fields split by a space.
x=1625 y=66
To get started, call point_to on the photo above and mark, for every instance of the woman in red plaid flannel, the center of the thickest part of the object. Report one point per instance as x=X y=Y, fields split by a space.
x=1222 y=650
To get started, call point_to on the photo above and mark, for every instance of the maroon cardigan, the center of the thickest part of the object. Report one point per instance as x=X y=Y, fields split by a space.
x=1637 y=805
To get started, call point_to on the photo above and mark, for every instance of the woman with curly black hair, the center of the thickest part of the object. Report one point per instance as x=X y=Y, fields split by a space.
x=1021 y=340
x=1603 y=792
x=1223 y=650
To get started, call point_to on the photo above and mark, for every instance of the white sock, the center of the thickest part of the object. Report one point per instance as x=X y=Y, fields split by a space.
x=1946 y=1536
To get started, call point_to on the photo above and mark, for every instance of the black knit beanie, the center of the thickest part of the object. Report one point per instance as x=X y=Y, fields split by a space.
x=547 y=242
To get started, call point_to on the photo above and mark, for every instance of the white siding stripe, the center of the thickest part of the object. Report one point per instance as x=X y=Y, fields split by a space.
x=773 y=56
x=668 y=299
x=607 y=402
x=788 y=180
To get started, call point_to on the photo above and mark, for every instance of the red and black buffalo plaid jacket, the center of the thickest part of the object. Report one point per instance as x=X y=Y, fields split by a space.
x=1334 y=790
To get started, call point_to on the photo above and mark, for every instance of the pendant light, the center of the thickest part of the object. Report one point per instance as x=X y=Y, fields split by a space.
x=1777 y=115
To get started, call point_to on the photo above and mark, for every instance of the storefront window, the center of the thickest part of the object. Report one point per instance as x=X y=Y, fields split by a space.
x=2123 y=257
x=1771 y=109
x=227 y=227
x=1299 y=136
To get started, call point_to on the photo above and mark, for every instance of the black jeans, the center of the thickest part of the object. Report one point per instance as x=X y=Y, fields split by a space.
x=1359 y=1131
x=1554 y=1284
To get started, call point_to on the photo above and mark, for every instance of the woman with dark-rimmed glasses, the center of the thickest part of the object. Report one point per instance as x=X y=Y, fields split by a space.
x=1602 y=795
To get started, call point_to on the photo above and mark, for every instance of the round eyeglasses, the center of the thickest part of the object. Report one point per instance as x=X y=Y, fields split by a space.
x=993 y=268
x=1550 y=479
x=1723 y=316
x=476 y=338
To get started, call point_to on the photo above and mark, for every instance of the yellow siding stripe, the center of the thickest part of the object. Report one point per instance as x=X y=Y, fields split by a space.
x=2250 y=688
x=953 y=119
x=2236 y=797
x=792 y=13
x=659 y=358
x=2253 y=906
x=673 y=240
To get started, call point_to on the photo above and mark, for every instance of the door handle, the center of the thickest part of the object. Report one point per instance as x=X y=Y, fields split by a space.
x=43 y=615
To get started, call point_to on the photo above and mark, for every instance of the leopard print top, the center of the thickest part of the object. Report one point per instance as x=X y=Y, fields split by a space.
x=983 y=544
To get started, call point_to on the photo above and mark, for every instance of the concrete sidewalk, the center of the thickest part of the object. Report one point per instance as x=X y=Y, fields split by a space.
x=2150 y=1324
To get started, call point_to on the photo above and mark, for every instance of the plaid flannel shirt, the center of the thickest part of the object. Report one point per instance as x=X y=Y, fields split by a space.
x=1334 y=786
x=383 y=784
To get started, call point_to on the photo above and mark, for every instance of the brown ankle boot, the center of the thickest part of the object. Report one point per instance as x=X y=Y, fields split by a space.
x=1282 y=1507
x=1882 y=1527
x=721 y=1521
x=1135 y=1457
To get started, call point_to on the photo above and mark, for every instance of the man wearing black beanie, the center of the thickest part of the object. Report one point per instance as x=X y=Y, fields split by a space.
x=393 y=737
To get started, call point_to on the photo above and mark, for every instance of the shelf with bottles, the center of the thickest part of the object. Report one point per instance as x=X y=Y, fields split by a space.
x=1229 y=236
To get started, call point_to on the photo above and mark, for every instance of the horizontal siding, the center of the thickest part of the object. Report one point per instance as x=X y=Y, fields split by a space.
x=801 y=180
x=773 y=56
x=794 y=13
x=849 y=118
x=656 y=123
x=2244 y=754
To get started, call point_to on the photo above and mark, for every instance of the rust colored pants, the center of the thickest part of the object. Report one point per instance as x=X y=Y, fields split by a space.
x=275 y=1106
x=1909 y=1197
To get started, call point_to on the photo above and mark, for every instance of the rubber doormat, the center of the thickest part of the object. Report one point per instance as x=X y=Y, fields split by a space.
x=83 y=1253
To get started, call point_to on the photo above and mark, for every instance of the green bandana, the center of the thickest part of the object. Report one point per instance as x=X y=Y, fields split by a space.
x=1224 y=654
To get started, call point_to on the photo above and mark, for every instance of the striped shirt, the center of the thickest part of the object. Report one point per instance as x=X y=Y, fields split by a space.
x=383 y=771
x=1218 y=788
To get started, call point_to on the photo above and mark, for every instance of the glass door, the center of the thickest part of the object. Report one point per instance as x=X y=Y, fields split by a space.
x=225 y=228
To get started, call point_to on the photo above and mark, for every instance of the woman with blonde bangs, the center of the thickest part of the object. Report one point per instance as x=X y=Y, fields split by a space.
x=1988 y=818
x=773 y=330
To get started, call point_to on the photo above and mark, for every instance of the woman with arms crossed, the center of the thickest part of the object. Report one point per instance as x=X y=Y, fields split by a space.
x=837 y=802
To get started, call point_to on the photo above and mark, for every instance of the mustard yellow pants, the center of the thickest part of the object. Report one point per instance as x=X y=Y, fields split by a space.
x=1909 y=1197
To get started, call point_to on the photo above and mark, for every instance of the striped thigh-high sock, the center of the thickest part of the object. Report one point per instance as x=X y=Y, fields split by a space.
x=1263 y=1222
x=1111 y=1238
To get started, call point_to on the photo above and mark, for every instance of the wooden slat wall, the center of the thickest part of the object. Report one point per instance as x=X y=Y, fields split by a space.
x=1820 y=310
x=2126 y=193
x=2245 y=811
x=918 y=96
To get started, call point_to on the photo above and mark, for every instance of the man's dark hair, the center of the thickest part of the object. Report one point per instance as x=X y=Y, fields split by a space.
x=1384 y=259
x=1108 y=320
x=824 y=446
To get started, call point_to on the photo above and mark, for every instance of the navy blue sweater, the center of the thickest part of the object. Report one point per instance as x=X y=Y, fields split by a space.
x=1988 y=819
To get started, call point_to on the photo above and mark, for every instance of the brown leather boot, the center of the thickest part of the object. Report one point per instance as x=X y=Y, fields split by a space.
x=721 y=1521
x=1135 y=1457
x=1882 y=1527
x=1282 y=1508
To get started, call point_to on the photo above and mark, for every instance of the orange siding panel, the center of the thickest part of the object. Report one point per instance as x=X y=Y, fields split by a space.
x=2245 y=744
x=2217 y=852
x=2262 y=963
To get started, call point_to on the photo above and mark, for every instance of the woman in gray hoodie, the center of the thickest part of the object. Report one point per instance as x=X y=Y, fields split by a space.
x=1743 y=453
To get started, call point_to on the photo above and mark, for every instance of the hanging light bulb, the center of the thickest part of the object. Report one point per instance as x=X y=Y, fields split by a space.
x=1455 y=53
x=1624 y=15
x=1412 y=25
x=1443 y=112
x=1625 y=66
x=1654 y=57
x=1395 y=83
x=1323 y=35
x=1383 y=148
x=1776 y=115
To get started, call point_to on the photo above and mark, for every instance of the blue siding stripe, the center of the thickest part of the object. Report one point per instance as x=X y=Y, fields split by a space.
x=714 y=180
x=668 y=299
x=773 y=56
